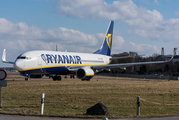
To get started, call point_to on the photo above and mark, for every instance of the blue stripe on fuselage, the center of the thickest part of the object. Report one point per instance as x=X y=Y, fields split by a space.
x=52 y=70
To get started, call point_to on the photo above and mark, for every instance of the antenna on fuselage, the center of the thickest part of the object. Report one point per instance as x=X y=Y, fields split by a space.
x=56 y=48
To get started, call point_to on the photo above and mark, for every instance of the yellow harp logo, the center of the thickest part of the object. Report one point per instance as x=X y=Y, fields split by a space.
x=108 y=40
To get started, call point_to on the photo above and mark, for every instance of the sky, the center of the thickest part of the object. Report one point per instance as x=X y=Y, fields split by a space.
x=142 y=26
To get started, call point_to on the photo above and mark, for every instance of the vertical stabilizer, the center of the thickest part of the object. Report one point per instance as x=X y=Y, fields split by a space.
x=107 y=43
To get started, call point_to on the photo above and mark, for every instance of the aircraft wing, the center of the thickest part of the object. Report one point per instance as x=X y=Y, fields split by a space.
x=130 y=64
x=126 y=64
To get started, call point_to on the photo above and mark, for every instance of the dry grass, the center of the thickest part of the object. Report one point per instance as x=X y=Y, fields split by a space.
x=72 y=98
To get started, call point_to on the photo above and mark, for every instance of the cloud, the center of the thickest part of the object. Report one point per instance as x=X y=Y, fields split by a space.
x=167 y=31
x=125 y=11
x=20 y=37
x=177 y=13
x=120 y=45
x=141 y=21
x=25 y=36
x=156 y=2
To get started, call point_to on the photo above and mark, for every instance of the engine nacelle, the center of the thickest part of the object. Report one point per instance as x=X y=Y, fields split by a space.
x=85 y=73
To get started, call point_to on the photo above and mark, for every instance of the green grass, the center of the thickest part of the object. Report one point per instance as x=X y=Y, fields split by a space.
x=72 y=98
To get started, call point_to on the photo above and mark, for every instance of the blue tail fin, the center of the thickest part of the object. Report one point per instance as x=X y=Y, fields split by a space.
x=107 y=43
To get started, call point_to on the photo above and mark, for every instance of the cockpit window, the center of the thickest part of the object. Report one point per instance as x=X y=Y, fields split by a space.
x=21 y=57
x=24 y=57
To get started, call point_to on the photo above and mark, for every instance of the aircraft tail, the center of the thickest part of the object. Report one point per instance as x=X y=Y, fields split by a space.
x=107 y=43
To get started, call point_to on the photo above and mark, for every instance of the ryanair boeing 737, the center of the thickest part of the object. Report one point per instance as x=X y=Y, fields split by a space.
x=35 y=64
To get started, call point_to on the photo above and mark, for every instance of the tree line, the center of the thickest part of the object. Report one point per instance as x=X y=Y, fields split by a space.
x=170 y=68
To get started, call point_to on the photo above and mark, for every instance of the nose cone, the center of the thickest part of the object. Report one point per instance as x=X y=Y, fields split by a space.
x=18 y=65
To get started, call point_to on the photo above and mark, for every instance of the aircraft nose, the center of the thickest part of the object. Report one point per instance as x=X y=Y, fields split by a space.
x=18 y=65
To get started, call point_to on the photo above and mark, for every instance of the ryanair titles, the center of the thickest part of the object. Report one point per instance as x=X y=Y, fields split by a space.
x=61 y=59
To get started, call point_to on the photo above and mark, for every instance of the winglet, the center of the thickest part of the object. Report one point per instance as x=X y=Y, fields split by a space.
x=175 y=50
x=4 y=57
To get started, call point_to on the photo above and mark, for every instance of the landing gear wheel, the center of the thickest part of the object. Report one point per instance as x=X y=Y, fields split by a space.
x=59 y=78
x=56 y=78
x=27 y=79
x=72 y=76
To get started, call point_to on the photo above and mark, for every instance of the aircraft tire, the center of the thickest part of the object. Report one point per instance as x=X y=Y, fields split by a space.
x=59 y=78
x=54 y=78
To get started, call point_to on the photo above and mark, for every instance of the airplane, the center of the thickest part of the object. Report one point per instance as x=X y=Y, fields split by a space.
x=35 y=64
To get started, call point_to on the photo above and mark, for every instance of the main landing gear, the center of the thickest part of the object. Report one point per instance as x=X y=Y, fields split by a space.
x=72 y=76
x=56 y=78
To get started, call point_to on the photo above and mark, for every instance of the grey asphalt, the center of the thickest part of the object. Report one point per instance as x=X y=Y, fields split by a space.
x=16 y=117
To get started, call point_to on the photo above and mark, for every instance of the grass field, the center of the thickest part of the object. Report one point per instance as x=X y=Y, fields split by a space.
x=69 y=98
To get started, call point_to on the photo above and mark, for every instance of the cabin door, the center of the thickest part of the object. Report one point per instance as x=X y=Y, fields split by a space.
x=39 y=59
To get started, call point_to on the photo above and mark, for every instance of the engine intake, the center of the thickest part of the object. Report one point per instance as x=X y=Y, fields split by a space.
x=85 y=73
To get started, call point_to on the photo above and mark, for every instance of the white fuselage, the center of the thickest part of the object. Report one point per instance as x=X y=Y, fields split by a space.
x=47 y=61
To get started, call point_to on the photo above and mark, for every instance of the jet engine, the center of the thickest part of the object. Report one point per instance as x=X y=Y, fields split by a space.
x=85 y=73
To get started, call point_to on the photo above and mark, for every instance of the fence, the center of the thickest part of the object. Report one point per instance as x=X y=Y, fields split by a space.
x=138 y=100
